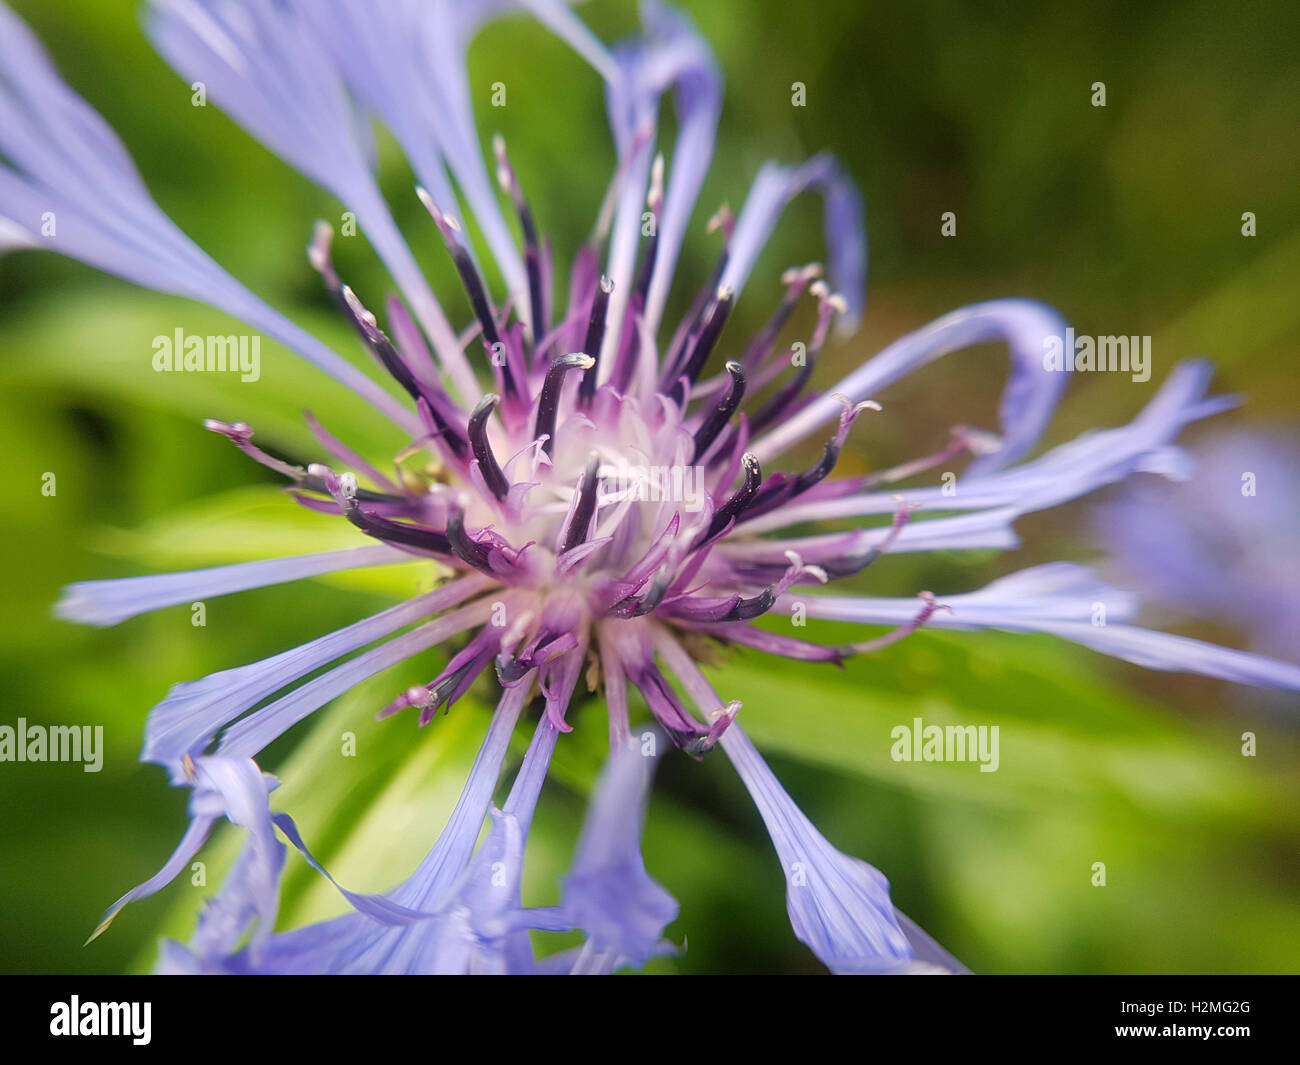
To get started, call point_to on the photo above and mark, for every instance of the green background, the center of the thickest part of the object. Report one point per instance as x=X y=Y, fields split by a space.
x=1127 y=218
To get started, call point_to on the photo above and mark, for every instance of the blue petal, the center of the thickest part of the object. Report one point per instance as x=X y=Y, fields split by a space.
x=251 y=892
x=608 y=893
x=1219 y=546
x=1030 y=396
x=108 y=602
x=1062 y=598
x=1091 y=461
x=265 y=67
x=839 y=906
x=251 y=734
x=195 y=710
x=414 y=927
x=698 y=104
x=406 y=63
x=454 y=914
x=64 y=160
x=236 y=789
x=845 y=230
x=669 y=54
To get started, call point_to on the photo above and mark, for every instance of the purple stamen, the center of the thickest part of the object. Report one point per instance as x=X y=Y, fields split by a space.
x=549 y=401
x=413 y=537
x=436 y=417
x=464 y=547
x=532 y=248
x=482 y=448
x=708 y=336
x=703 y=298
x=580 y=521
x=595 y=337
x=722 y=411
x=796 y=280
x=469 y=275
x=738 y=502
x=783 y=403
x=654 y=202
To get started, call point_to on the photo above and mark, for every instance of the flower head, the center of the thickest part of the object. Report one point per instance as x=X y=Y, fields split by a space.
x=595 y=487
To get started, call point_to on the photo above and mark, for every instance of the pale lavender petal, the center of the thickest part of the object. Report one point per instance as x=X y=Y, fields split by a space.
x=488 y=899
x=670 y=54
x=1030 y=396
x=926 y=950
x=1066 y=600
x=221 y=788
x=1095 y=459
x=476 y=925
x=982 y=530
x=1165 y=651
x=14 y=236
x=561 y=21
x=377 y=907
x=1223 y=544
x=839 y=906
x=109 y=602
x=251 y=892
x=196 y=834
x=66 y=163
x=698 y=104
x=1057 y=591
x=359 y=943
x=264 y=65
x=608 y=893
x=845 y=231
x=195 y=710
x=406 y=63
x=489 y=896
x=251 y=734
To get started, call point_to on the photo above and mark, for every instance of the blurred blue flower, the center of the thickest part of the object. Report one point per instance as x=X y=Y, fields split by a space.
x=1220 y=544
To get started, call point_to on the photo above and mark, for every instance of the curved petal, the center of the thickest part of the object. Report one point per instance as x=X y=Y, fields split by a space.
x=454 y=914
x=1030 y=396
x=839 y=906
x=236 y=789
x=392 y=933
x=608 y=893
x=846 y=236
x=250 y=894
x=71 y=181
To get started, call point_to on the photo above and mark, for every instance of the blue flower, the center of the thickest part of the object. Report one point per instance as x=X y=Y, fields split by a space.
x=1219 y=542
x=557 y=519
